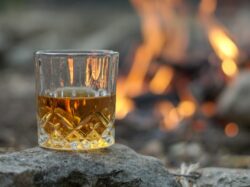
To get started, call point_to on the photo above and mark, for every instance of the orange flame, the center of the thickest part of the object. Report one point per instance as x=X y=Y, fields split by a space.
x=224 y=47
x=171 y=117
x=220 y=40
x=171 y=121
x=164 y=107
x=71 y=70
x=155 y=15
x=229 y=67
x=186 y=108
x=231 y=130
x=123 y=104
x=161 y=80
x=188 y=104
x=135 y=79
x=153 y=40
x=163 y=37
x=207 y=7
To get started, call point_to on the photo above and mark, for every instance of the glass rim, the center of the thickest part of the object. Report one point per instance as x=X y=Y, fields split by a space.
x=76 y=52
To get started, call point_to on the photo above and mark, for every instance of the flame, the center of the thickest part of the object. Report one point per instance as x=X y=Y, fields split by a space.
x=231 y=130
x=153 y=35
x=71 y=70
x=173 y=21
x=161 y=80
x=188 y=104
x=170 y=114
x=171 y=121
x=123 y=103
x=157 y=25
x=135 y=79
x=164 y=107
x=229 y=67
x=207 y=7
x=123 y=106
x=153 y=40
x=224 y=47
x=152 y=43
x=186 y=108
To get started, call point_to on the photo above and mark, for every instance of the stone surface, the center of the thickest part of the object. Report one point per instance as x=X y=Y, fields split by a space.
x=117 y=166
x=234 y=102
x=223 y=177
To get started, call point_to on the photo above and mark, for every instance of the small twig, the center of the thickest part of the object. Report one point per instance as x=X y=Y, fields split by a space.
x=187 y=175
x=193 y=175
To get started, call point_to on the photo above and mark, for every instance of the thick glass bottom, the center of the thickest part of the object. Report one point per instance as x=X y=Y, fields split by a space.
x=77 y=145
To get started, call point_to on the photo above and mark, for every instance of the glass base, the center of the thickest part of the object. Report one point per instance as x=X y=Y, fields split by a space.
x=77 y=146
x=92 y=141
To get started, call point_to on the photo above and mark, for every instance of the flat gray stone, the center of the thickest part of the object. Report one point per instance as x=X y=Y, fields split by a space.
x=224 y=177
x=117 y=166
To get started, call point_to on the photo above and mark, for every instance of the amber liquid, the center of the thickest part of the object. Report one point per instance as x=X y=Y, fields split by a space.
x=81 y=122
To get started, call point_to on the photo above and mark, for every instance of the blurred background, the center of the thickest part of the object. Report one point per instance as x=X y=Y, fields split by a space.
x=183 y=92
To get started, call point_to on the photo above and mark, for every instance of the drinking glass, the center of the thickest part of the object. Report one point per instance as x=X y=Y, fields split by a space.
x=76 y=95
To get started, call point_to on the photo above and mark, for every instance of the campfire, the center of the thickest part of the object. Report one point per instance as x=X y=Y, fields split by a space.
x=178 y=89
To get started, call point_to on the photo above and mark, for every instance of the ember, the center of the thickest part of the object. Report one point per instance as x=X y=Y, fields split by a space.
x=231 y=130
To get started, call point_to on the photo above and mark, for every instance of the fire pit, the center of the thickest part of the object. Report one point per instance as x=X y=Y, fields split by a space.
x=169 y=96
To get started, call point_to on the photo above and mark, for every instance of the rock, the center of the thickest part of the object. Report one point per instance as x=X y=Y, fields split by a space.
x=234 y=161
x=22 y=53
x=221 y=177
x=234 y=102
x=186 y=152
x=111 y=167
x=153 y=148
x=109 y=37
